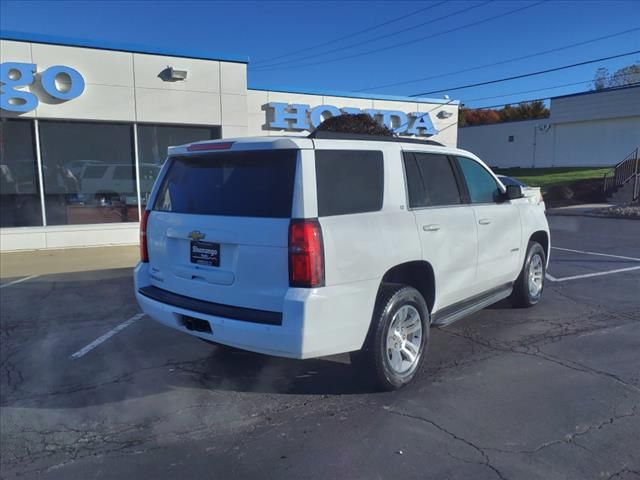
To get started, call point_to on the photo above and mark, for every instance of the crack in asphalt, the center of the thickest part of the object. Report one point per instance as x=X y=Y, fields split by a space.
x=619 y=473
x=480 y=450
x=569 y=439
x=102 y=439
x=533 y=348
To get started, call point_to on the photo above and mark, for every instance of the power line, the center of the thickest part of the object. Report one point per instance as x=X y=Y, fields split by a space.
x=447 y=127
x=500 y=105
x=401 y=44
x=502 y=62
x=542 y=89
x=636 y=84
x=519 y=101
x=378 y=38
x=528 y=91
x=368 y=29
x=422 y=114
x=530 y=74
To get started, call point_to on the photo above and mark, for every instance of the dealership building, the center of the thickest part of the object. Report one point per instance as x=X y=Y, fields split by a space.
x=85 y=127
x=590 y=129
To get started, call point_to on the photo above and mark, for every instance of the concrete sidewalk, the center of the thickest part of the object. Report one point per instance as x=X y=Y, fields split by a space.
x=600 y=210
x=43 y=262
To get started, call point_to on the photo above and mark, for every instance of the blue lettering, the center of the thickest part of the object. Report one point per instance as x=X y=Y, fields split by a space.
x=301 y=117
x=12 y=75
x=284 y=114
x=422 y=122
x=63 y=83
x=401 y=123
x=318 y=112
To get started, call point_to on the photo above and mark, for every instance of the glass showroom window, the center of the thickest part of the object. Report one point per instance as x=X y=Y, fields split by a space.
x=19 y=186
x=89 y=172
x=153 y=141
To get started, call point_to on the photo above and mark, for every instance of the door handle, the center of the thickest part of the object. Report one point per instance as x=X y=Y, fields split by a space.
x=431 y=228
x=484 y=221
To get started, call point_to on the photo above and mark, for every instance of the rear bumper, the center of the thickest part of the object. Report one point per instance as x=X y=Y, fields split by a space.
x=264 y=317
x=313 y=322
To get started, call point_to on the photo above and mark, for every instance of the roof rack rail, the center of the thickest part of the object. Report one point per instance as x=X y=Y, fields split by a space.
x=323 y=134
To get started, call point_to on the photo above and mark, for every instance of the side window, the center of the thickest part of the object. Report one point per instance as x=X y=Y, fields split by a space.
x=349 y=181
x=481 y=185
x=431 y=180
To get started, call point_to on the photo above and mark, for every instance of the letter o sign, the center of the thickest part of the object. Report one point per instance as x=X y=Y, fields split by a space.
x=63 y=83
x=318 y=113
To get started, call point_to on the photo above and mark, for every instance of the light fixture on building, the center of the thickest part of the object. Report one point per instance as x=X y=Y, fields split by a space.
x=177 y=74
x=442 y=114
x=171 y=74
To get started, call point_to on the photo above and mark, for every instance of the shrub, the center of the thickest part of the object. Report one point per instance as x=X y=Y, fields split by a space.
x=360 y=123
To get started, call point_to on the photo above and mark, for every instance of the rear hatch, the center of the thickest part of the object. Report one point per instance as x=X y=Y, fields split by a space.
x=218 y=229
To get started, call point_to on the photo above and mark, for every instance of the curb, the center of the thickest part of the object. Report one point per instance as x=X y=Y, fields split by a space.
x=591 y=215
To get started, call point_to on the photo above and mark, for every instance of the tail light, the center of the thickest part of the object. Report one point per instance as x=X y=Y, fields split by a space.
x=306 y=254
x=144 y=252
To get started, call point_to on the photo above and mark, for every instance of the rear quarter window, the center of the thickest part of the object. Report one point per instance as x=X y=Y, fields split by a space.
x=349 y=181
x=431 y=180
x=242 y=184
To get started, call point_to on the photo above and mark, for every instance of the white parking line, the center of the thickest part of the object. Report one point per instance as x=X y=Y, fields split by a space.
x=596 y=253
x=20 y=280
x=83 y=351
x=594 y=274
x=588 y=275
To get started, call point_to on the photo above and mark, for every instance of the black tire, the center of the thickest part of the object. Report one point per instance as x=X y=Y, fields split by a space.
x=522 y=296
x=373 y=360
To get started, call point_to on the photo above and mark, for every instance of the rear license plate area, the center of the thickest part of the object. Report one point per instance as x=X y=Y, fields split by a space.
x=205 y=253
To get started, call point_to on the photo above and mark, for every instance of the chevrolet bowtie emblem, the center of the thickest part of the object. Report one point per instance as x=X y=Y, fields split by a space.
x=196 y=235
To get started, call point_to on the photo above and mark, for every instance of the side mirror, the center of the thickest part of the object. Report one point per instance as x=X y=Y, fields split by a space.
x=514 y=192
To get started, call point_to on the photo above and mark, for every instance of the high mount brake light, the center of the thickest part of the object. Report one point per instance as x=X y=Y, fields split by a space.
x=306 y=254
x=205 y=147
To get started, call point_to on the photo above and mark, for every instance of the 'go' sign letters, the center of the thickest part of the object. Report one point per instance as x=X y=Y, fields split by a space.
x=58 y=81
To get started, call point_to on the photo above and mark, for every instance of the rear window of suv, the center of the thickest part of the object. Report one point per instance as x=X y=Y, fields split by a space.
x=240 y=184
x=349 y=181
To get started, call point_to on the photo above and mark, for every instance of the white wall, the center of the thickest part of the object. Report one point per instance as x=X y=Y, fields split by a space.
x=538 y=143
x=598 y=129
x=259 y=99
x=491 y=143
x=65 y=236
x=124 y=86
x=596 y=143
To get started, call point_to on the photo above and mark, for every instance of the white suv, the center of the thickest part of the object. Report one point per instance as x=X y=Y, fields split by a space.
x=301 y=248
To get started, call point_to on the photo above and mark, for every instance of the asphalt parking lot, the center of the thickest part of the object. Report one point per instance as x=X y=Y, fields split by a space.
x=551 y=392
